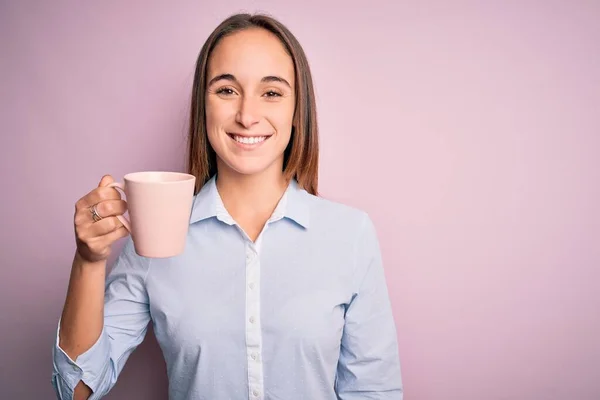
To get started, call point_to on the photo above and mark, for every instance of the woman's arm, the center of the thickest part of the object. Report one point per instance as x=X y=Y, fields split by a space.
x=369 y=365
x=101 y=327
x=82 y=318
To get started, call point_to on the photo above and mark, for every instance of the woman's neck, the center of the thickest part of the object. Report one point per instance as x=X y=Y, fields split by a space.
x=251 y=199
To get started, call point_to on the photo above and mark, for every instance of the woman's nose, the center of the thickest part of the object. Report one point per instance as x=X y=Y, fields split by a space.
x=248 y=112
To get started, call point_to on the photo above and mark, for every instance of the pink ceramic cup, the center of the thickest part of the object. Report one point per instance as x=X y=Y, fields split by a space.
x=159 y=206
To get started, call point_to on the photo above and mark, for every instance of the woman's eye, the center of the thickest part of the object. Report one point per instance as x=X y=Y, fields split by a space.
x=225 y=91
x=271 y=93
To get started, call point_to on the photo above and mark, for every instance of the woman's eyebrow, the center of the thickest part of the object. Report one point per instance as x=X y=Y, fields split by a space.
x=272 y=78
x=225 y=77
x=231 y=78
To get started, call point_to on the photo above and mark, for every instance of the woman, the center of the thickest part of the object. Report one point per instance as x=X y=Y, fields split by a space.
x=279 y=294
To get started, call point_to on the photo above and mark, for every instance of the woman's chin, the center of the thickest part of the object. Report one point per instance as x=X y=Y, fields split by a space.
x=249 y=167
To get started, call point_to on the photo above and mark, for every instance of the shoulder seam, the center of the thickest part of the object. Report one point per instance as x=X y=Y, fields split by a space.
x=356 y=246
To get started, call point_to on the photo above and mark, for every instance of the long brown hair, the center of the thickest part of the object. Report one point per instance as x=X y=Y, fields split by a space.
x=301 y=158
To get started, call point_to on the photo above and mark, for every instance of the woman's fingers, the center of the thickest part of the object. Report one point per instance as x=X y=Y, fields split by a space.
x=96 y=224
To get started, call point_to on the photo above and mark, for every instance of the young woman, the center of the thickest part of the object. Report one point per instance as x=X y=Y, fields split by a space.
x=279 y=294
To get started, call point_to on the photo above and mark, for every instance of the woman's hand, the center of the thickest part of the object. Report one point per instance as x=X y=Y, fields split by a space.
x=96 y=224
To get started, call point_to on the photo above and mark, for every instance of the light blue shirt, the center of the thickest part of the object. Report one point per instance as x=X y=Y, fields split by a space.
x=302 y=313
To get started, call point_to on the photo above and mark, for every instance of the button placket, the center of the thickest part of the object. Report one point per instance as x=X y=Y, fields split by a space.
x=253 y=326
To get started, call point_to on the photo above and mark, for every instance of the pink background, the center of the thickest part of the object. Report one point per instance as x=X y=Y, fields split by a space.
x=470 y=131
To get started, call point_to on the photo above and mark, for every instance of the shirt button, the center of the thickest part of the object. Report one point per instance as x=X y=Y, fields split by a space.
x=254 y=356
x=251 y=285
x=255 y=393
x=252 y=320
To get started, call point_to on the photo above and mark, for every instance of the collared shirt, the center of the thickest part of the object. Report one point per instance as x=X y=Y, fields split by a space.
x=301 y=313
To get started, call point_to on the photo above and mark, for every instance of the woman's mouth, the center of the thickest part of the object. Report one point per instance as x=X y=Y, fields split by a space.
x=248 y=141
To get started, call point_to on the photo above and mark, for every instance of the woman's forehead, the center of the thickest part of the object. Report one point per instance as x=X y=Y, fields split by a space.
x=251 y=54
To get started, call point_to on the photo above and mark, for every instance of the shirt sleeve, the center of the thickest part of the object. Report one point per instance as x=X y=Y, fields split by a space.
x=126 y=318
x=369 y=364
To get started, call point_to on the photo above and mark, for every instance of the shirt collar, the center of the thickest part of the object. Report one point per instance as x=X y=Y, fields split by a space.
x=293 y=205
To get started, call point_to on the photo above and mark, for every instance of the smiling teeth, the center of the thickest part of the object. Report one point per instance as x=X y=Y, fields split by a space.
x=249 y=140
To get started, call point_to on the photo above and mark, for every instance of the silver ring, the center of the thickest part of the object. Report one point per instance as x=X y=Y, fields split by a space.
x=95 y=214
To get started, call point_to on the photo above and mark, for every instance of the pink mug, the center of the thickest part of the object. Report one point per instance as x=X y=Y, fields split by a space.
x=159 y=206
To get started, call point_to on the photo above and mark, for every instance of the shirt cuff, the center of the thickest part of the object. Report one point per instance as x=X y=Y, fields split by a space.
x=89 y=367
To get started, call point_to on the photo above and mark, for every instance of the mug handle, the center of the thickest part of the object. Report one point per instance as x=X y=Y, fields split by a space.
x=122 y=218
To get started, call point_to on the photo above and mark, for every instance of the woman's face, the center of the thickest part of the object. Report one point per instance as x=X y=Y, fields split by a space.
x=250 y=102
